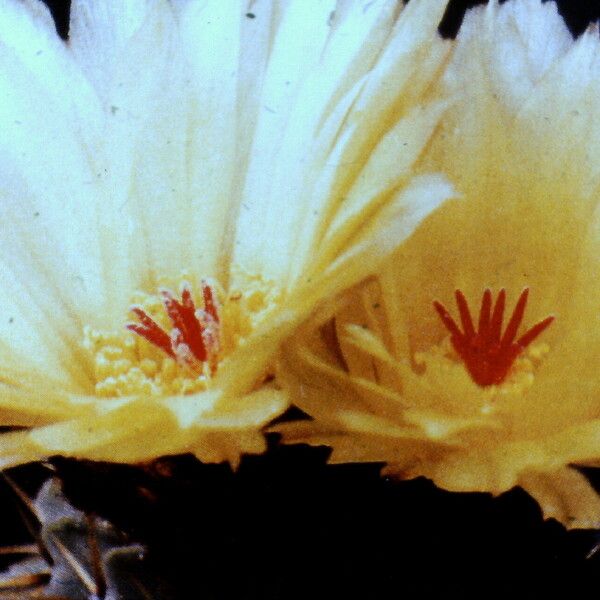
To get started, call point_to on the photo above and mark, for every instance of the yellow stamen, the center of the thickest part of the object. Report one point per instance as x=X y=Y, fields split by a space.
x=128 y=364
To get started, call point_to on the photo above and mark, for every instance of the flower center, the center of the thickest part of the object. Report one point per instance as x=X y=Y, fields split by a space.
x=194 y=334
x=179 y=340
x=488 y=354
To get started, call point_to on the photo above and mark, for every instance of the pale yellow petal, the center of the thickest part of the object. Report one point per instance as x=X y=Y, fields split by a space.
x=565 y=495
x=137 y=430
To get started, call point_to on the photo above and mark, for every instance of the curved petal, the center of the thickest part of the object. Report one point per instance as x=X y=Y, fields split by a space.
x=334 y=113
x=564 y=495
x=136 y=430
x=100 y=33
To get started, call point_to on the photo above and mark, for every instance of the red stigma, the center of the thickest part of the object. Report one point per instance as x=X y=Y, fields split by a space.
x=193 y=338
x=487 y=353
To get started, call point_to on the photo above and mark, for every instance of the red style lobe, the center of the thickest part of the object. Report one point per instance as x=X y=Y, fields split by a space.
x=488 y=354
x=192 y=339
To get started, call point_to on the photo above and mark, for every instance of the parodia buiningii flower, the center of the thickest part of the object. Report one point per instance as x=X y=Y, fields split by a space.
x=474 y=357
x=180 y=184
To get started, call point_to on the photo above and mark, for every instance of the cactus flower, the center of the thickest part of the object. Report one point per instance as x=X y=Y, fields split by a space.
x=181 y=183
x=473 y=357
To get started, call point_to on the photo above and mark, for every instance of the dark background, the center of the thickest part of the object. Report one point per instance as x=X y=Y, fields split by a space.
x=288 y=526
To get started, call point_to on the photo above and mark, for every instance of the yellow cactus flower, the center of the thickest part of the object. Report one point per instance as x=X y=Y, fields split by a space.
x=503 y=388
x=181 y=184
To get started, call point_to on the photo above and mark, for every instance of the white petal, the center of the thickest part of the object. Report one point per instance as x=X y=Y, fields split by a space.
x=28 y=37
x=142 y=161
x=52 y=181
x=265 y=208
x=100 y=32
x=565 y=100
x=283 y=212
x=389 y=162
x=32 y=334
x=210 y=33
x=511 y=46
x=47 y=104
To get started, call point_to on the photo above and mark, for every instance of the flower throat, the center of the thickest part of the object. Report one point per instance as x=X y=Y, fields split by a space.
x=193 y=340
x=487 y=354
x=177 y=341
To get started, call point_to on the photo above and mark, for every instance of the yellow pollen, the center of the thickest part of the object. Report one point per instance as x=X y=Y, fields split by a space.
x=442 y=363
x=127 y=364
